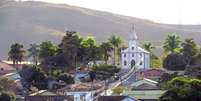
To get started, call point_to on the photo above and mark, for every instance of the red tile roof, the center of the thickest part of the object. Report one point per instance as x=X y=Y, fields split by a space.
x=6 y=68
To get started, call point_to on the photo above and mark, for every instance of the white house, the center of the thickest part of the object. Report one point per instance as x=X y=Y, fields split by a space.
x=135 y=56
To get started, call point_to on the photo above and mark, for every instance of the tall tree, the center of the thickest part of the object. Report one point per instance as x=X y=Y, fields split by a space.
x=149 y=47
x=182 y=89
x=34 y=52
x=47 y=50
x=92 y=50
x=16 y=54
x=106 y=48
x=172 y=43
x=189 y=50
x=70 y=47
x=115 y=41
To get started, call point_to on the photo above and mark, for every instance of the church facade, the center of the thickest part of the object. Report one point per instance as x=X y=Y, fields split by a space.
x=134 y=55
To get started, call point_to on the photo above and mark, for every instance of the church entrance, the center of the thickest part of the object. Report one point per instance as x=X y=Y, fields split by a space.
x=132 y=63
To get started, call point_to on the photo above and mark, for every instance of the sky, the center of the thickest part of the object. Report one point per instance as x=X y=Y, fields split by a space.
x=162 y=11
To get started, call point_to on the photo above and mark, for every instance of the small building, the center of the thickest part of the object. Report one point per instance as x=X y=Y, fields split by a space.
x=145 y=95
x=116 y=98
x=144 y=90
x=134 y=55
x=144 y=84
x=80 y=92
x=44 y=95
x=153 y=74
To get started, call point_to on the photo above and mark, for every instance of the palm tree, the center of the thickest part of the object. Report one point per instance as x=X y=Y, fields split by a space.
x=106 y=48
x=148 y=46
x=16 y=54
x=34 y=52
x=172 y=43
x=115 y=41
x=189 y=50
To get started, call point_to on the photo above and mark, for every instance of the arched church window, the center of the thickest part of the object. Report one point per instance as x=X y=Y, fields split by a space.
x=140 y=54
x=140 y=62
x=133 y=55
x=133 y=48
x=125 y=55
x=125 y=63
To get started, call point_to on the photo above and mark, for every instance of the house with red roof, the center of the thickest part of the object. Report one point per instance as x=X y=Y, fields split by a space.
x=6 y=68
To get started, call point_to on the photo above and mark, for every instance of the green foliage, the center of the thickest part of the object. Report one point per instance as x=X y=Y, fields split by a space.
x=156 y=63
x=172 y=43
x=116 y=42
x=70 y=47
x=189 y=50
x=34 y=51
x=47 y=50
x=193 y=71
x=106 y=47
x=33 y=76
x=89 y=41
x=174 y=62
x=16 y=53
x=162 y=82
x=106 y=68
x=118 y=90
x=148 y=46
x=68 y=79
x=183 y=89
x=90 y=50
x=7 y=84
x=7 y=96
x=104 y=72
x=54 y=72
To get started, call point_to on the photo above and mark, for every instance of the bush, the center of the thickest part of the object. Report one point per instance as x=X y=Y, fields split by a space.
x=156 y=63
x=174 y=62
x=183 y=89
x=33 y=76
x=106 y=68
x=118 y=90
x=193 y=71
x=5 y=96
x=68 y=79
x=104 y=72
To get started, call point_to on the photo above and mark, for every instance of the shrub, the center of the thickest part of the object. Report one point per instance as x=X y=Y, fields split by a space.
x=118 y=90
x=6 y=96
x=106 y=68
x=68 y=79
x=104 y=72
x=174 y=62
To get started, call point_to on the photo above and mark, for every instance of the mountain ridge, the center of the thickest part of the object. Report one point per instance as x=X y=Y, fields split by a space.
x=33 y=22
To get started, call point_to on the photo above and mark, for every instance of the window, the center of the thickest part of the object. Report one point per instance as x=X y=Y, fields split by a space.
x=133 y=48
x=133 y=55
x=141 y=63
x=140 y=54
x=125 y=63
x=125 y=55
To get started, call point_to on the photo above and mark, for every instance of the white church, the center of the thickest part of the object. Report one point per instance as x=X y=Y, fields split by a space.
x=134 y=55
